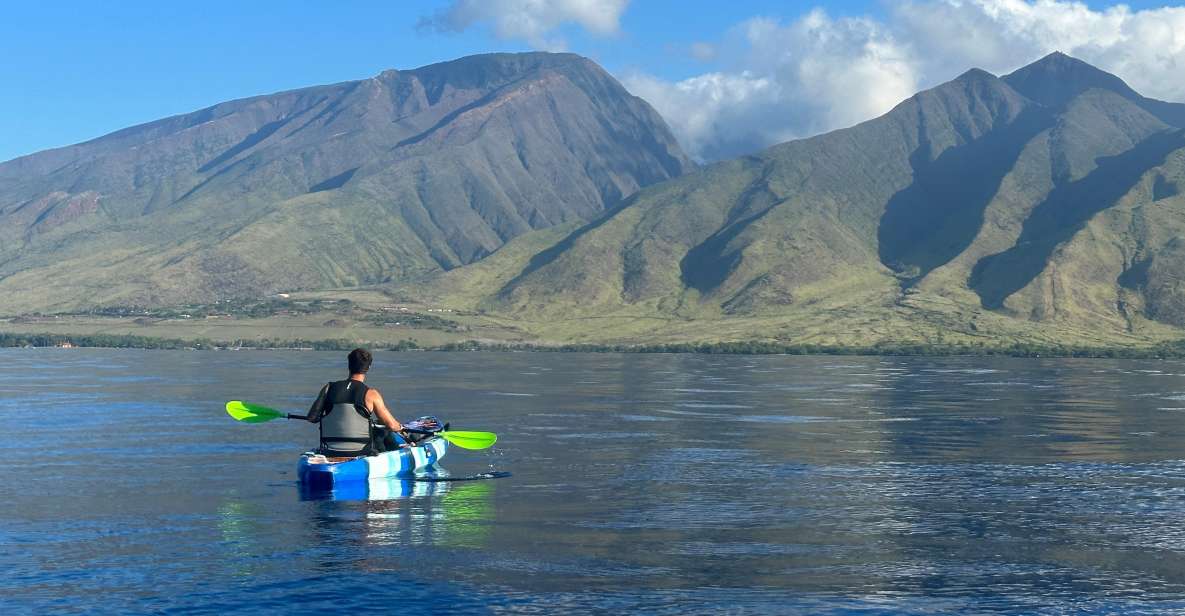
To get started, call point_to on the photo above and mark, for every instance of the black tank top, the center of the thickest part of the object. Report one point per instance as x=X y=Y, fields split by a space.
x=345 y=421
x=348 y=391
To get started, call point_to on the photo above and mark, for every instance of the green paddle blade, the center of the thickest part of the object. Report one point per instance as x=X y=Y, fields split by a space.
x=469 y=440
x=251 y=413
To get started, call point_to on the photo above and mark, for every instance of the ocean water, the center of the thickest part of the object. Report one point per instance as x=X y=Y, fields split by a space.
x=663 y=484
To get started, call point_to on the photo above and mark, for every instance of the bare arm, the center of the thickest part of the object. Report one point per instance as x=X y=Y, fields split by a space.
x=379 y=406
x=315 y=410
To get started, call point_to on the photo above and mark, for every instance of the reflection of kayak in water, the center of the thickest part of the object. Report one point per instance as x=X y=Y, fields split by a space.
x=321 y=473
x=405 y=512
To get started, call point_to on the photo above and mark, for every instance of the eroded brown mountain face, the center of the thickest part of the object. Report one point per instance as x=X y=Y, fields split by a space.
x=352 y=183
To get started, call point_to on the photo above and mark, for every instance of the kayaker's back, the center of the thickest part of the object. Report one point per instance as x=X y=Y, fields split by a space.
x=346 y=428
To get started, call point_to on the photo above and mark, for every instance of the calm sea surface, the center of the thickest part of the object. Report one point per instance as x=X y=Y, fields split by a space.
x=640 y=483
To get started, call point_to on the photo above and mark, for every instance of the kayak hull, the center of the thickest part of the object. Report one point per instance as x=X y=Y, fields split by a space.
x=392 y=488
x=404 y=461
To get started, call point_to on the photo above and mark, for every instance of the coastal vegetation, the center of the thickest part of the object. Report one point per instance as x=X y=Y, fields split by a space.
x=1173 y=350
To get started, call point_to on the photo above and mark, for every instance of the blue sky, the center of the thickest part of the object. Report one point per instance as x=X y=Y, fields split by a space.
x=74 y=71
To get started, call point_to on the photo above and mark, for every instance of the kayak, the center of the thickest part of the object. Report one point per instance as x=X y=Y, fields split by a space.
x=318 y=471
x=390 y=488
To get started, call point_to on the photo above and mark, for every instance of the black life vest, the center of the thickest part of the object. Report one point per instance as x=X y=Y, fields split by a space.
x=346 y=425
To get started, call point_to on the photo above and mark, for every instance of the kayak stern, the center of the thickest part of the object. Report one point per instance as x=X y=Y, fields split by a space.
x=317 y=471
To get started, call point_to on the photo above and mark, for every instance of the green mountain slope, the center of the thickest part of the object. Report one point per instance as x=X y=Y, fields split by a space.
x=353 y=183
x=1044 y=205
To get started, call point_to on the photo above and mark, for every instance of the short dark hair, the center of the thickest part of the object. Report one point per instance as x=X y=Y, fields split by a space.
x=360 y=361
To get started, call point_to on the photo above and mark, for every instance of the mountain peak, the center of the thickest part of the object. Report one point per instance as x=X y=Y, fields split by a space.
x=499 y=60
x=511 y=63
x=1057 y=78
x=975 y=74
x=1059 y=58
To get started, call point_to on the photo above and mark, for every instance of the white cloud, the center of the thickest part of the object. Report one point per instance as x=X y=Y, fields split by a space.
x=790 y=80
x=1146 y=48
x=531 y=20
x=778 y=81
x=718 y=114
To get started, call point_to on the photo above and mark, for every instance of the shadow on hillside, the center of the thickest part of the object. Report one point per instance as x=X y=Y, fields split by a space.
x=707 y=265
x=255 y=138
x=1063 y=214
x=549 y=255
x=936 y=218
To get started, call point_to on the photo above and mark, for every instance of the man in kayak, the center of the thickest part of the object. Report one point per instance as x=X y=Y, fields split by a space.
x=348 y=411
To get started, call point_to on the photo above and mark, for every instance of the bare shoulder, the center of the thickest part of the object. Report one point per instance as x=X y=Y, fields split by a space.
x=374 y=400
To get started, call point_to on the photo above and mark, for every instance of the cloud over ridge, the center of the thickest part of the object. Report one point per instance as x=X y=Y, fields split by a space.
x=777 y=80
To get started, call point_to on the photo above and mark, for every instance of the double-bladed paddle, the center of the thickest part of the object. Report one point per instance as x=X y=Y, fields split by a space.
x=254 y=413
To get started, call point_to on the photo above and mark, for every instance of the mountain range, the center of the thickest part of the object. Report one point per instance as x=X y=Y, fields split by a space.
x=355 y=183
x=1044 y=205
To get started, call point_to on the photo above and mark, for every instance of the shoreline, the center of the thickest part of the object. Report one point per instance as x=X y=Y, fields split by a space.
x=1170 y=350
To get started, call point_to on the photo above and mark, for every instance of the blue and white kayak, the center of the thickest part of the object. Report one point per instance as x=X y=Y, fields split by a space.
x=391 y=488
x=318 y=471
